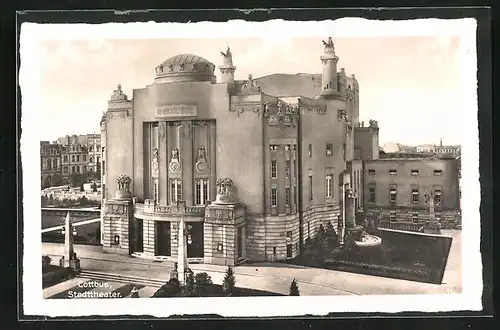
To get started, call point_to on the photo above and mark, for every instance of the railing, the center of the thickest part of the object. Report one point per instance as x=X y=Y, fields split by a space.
x=168 y=209
x=414 y=227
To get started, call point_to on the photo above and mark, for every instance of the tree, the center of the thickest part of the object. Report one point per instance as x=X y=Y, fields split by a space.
x=202 y=282
x=229 y=281
x=294 y=289
x=188 y=290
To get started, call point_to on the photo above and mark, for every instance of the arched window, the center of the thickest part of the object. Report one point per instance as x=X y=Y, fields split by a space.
x=91 y=159
x=54 y=163
x=90 y=148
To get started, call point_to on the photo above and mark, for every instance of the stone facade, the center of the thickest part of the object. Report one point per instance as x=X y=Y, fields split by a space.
x=284 y=148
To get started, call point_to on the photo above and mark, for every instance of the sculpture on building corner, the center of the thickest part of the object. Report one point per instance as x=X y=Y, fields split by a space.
x=118 y=94
x=329 y=43
x=154 y=164
x=225 y=191
x=123 y=187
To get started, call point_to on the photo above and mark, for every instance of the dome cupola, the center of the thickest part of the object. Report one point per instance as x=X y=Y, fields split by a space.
x=185 y=68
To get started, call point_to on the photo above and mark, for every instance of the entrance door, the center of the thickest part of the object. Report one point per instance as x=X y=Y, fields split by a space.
x=195 y=249
x=162 y=238
x=136 y=236
x=289 y=250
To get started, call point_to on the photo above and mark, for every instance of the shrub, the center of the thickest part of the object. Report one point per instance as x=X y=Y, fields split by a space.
x=170 y=289
x=188 y=290
x=83 y=201
x=320 y=237
x=46 y=261
x=202 y=282
x=294 y=289
x=330 y=235
x=229 y=281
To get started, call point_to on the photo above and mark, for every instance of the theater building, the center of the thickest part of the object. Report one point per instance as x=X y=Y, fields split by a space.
x=395 y=190
x=279 y=148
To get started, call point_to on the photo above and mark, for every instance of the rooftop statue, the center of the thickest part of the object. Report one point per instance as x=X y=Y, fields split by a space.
x=329 y=43
x=227 y=53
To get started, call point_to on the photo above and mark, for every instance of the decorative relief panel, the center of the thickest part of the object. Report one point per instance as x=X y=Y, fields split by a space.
x=281 y=114
x=115 y=209
x=174 y=165
x=201 y=164
x=241 y=107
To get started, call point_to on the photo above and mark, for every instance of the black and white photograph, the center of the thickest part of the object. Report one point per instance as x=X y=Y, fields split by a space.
x=308 y=167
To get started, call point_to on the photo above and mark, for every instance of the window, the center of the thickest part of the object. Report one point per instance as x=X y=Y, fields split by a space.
x=49 y=164
x=329 y=149
x=329 y=186
x=310 y=150
x=77 y=169
x=102 y=149
x=392 y=216
x=414 y=217
x=273 y=147
x=98 y=159
x=103 y=167
x=84 y=158
x=72 y=158
x=393 y=171
x=437 y=197
x=274 y=169
x=371 y=171
x=414 y=172
x=84 y=169
x=90 y=148
x=371 y=195
x=65 y=170
x=175 y=190
x=287 y=169
x=91 y=159
x=73 y=169
x=415 y=196
x=287 y=196
x=438 y=172
x=201 y=196
x=310 y=187
x=274 y=197
x=54 y=163
x=393 y=195
x=65 y=158
x=77 y=158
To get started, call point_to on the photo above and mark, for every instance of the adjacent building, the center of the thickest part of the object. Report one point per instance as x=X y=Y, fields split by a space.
x=74 y=159
x=448 y=150
x=286 y=145
x=395 y=190
x=50 y=164
x=93 y=144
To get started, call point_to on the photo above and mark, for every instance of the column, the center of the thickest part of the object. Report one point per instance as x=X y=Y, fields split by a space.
x=211 y=154
x=187 y=163
x=163 y=163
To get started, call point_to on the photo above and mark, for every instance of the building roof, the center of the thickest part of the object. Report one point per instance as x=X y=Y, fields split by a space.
x=185 y=59
x=284 y=84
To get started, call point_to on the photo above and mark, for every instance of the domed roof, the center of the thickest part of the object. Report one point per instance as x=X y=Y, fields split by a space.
x=185 y=67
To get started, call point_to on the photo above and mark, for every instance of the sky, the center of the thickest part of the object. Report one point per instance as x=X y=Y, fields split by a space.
x=410 y=85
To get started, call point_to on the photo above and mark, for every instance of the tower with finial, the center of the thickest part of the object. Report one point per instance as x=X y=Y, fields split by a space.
x=329 y=76
x=227 y=68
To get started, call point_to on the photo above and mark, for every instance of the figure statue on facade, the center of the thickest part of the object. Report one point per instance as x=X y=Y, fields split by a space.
x=373 y=123
x=201 y=154
x=266 y=110
x=175 y=154
x=154 y=163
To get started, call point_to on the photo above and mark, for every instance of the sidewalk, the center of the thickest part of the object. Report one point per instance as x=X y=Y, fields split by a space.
x=272 y=276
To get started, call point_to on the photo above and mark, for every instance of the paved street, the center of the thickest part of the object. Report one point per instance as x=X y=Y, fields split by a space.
x=271 y=276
